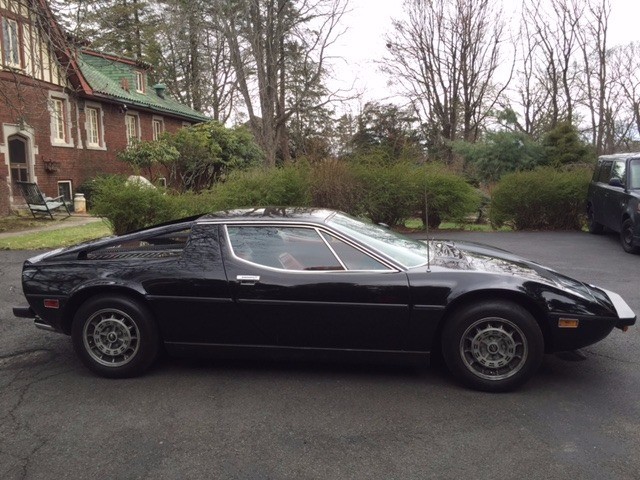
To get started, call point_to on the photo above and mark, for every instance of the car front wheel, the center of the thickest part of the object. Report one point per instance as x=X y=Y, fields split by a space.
x=626 y=237
x=493 y=346
x=115 y=336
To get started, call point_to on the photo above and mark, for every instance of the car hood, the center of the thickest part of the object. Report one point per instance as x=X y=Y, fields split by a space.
x=472 y=256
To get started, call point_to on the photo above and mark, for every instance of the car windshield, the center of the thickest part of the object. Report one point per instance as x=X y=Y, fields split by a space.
x=407 y=252
x=634 y=174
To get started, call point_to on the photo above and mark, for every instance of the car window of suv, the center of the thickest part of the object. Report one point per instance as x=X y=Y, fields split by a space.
x=605 y=171
x=634 y=174
x=619 y=170
x=288 y=248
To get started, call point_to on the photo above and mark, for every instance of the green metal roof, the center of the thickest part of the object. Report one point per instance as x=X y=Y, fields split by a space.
x=105 y=74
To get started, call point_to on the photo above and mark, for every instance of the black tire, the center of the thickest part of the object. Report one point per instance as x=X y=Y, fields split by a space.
x=626 y=237
x=593 y=226
x=115 y=336
x=494 y=346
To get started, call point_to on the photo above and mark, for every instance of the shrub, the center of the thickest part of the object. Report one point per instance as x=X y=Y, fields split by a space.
x=333 y=185
x=391 y=193
x=148 y=156
x=387 y=192
x=286 y=186
x=209 y=151
x=541 y=199
x=449 y=196
x=130 y=206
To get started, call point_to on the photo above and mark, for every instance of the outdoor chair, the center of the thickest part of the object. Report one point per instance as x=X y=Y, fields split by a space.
x=38 y=203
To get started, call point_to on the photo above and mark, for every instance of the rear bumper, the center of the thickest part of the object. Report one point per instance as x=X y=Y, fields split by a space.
x=24 y=312
x=27 y=312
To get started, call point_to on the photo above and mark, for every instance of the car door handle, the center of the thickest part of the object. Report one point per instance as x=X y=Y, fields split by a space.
x=248 y=279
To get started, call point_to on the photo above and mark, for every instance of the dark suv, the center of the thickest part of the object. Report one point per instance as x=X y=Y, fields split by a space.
x=614 y=198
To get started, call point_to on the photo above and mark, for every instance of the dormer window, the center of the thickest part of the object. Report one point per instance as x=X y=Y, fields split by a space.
x=10 y=43
x=140 y=83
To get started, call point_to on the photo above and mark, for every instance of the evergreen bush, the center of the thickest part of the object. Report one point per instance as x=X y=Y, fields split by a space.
x=129 y=206
x=286 y=186
x=541 y=199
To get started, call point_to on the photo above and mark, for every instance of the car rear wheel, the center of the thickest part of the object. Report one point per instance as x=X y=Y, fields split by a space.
x=493 y=346
x=593 y=226
x=626 y=237
x=115 y=336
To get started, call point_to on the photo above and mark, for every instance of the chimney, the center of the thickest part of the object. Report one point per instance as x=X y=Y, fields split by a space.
x=160 y=88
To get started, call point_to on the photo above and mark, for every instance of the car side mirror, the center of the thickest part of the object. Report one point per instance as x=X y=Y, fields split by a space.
x=616 y=182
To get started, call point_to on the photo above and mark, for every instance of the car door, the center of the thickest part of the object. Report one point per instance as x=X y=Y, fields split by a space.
x=290 y=280
x=601 y=192
x=193 y=302
x=616 y=196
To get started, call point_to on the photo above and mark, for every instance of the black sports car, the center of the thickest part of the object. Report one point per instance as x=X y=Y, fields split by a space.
x=270 y=281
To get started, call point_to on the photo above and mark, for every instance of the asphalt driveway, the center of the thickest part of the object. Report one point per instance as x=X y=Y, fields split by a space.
x=249 y=420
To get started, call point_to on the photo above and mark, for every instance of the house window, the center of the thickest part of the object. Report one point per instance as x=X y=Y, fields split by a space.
x=10 y=43
x=58 y=120
x=131 y=122
x=139 y=82
x=93 y=127
x=64 y=190
x=158 y=128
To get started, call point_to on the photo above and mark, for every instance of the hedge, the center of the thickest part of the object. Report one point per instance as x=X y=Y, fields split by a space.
x=541 y=199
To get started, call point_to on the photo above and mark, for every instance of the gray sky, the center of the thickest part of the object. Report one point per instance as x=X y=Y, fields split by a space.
x=369 y=20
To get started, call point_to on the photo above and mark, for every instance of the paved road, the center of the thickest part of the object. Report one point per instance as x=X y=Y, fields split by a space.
x=248 y=420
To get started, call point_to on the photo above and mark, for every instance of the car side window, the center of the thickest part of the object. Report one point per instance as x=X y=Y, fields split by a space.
x=288 y=248
x=167 y=244
x=605 y=172
x=619 y=170
x=353 y=258
x=634 y=174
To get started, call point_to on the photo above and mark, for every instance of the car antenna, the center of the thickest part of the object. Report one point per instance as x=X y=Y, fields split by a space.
x=426 y=226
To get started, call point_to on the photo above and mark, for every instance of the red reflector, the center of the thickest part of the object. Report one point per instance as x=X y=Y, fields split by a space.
x=50 y=303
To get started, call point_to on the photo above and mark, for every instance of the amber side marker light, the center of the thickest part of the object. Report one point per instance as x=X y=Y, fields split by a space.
x=51 y=303
x=568 y=323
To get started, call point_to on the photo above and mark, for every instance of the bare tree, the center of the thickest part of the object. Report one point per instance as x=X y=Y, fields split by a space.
x=554 y=26
x=531 y=92
x=268 y=41
x=623 y=98
x=626 y=71
x=445 y=55
x=592 y=39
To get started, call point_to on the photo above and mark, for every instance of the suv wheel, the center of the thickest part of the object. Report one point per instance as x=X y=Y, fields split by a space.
x=626 y=237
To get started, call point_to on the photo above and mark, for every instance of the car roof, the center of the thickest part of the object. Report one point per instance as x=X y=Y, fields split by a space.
x=271 y=214
x=619 y=156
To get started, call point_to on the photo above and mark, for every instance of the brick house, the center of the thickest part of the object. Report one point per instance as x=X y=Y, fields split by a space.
x=66 y=111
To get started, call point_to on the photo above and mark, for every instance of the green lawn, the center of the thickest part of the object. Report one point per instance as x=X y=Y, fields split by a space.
x=416 y=224
x=56 y=238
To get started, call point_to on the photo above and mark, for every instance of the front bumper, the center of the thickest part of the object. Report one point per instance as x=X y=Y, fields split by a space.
x=626 y=316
